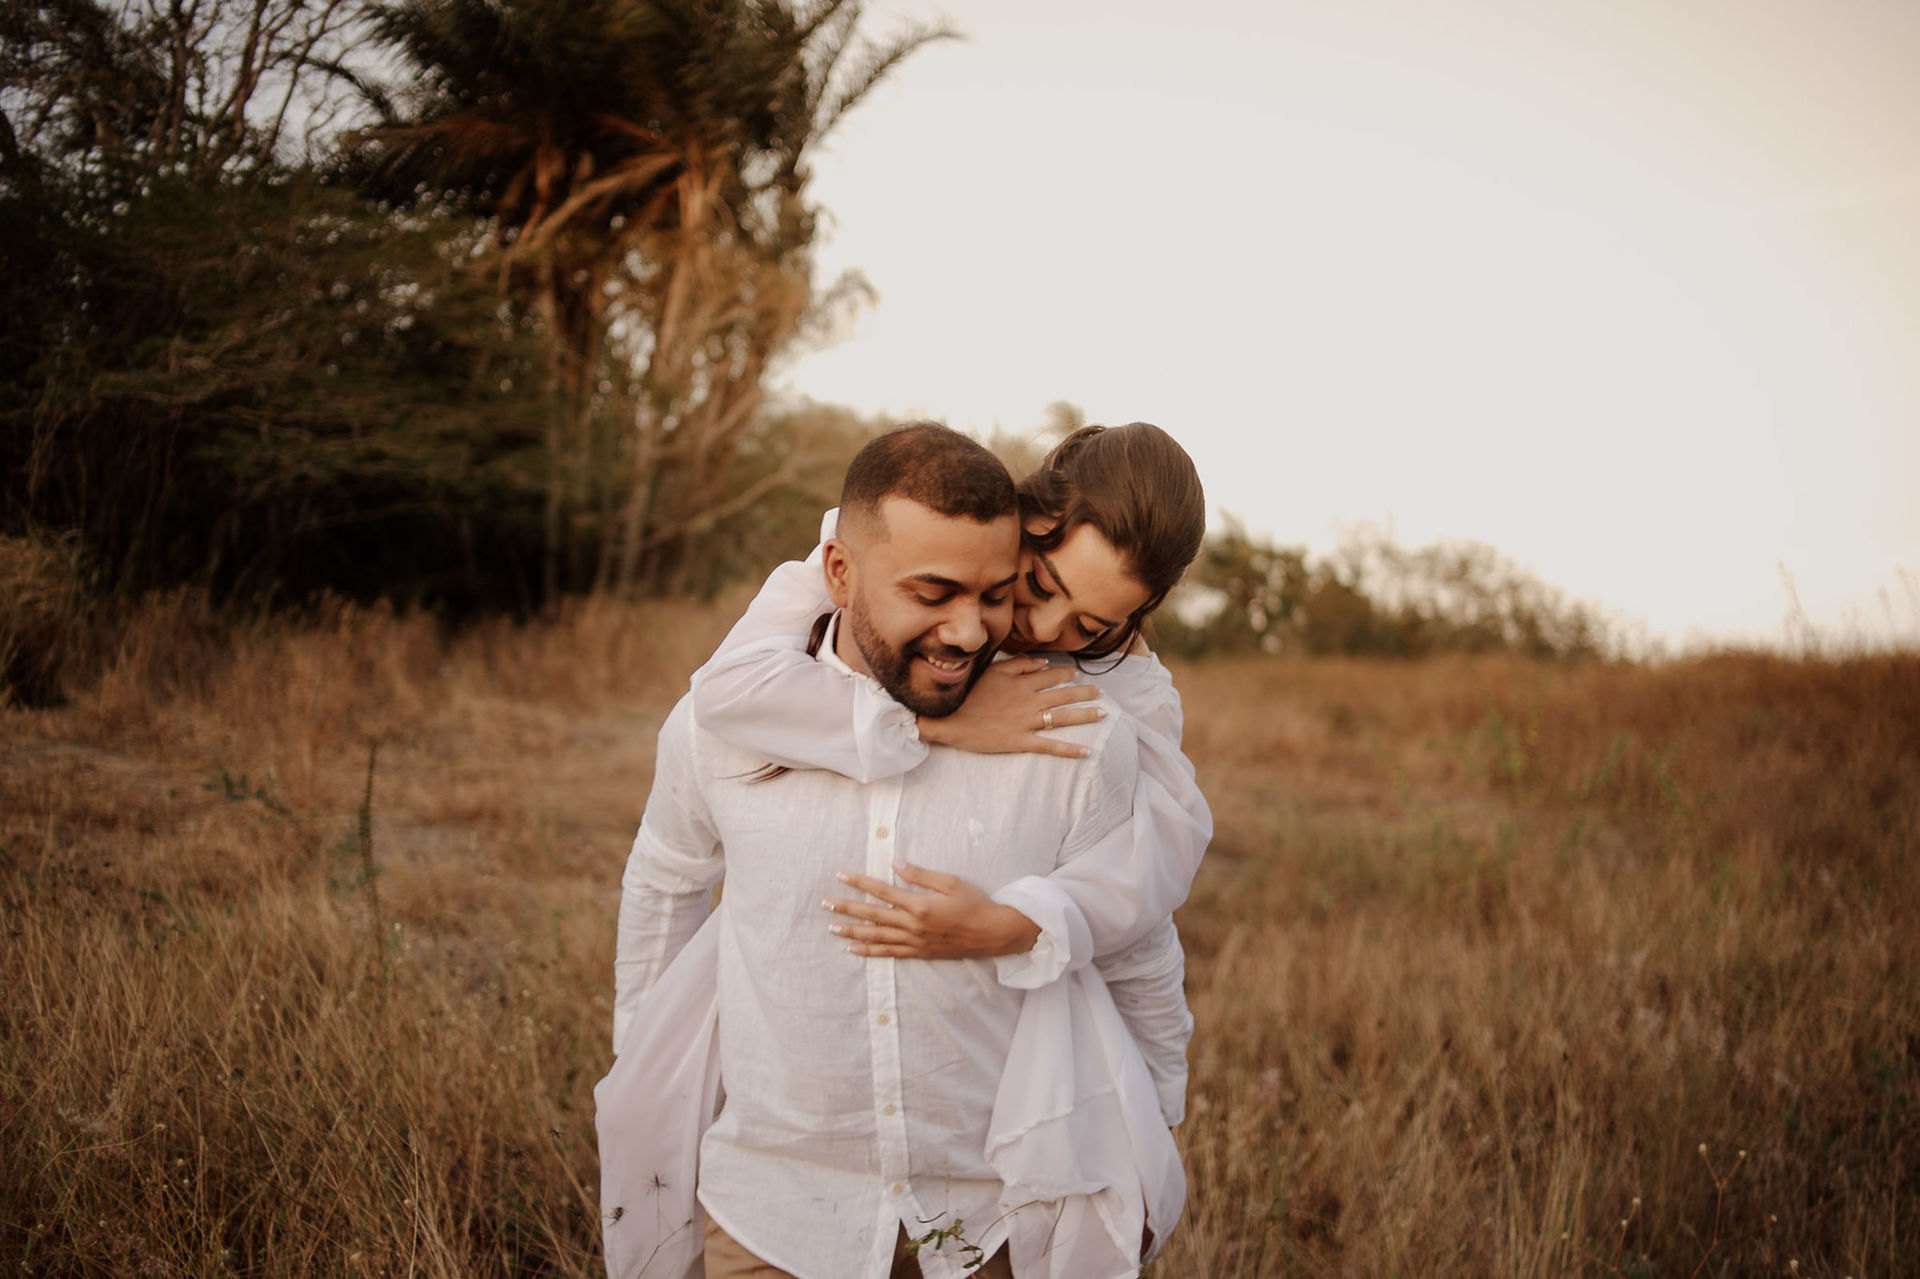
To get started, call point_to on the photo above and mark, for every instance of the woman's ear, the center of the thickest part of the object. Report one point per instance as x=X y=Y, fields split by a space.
x=838 y=564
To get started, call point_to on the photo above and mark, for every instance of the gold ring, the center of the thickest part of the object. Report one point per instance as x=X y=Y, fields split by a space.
x=1046 y=718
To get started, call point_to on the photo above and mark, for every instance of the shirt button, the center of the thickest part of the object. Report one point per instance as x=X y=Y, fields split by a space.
x=887 y=1109
x=897 y=1187
x=882 y=1019
x=879 y=832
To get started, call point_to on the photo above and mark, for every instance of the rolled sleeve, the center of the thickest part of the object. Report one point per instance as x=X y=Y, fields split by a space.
x=1064 y=941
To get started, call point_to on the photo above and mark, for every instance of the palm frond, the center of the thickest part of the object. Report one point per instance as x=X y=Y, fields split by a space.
x=809 y=20
x=874 y=67
x=835 y=38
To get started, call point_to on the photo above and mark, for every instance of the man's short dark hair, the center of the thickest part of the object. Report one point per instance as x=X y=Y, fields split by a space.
x=933 y=465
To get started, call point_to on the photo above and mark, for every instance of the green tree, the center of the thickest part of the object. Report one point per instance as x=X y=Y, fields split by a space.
x=643 y=165
x=1461 y=597
x=274 y=389
x=125 y=93
x=217 y=370
x=1370 y=596
x=1242 y=594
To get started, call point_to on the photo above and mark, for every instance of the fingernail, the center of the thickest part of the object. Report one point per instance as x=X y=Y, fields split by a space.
x=837 y=930
x=1099 y=712
x=852 y=949
x=843 y=877
x=826 y=903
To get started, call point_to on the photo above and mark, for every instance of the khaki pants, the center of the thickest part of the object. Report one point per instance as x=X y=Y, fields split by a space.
x=726 y=1259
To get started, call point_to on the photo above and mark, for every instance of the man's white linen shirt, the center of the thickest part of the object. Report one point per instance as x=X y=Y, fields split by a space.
x=762 y=691
x=858 y=1090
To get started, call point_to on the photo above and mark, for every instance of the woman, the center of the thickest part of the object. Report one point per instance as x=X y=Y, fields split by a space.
x=1111 y=518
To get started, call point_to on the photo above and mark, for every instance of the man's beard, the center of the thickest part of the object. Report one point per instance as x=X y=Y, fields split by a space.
x=893 y=668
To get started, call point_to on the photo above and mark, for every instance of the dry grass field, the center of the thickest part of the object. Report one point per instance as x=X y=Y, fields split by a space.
x=1499 y=968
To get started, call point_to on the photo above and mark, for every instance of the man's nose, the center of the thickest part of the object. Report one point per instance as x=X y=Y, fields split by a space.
x=965 y=627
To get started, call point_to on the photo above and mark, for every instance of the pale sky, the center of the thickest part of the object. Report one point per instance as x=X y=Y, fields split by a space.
x=1628 y=289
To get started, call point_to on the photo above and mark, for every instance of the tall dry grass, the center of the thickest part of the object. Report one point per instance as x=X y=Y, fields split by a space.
x=1491 y=956
x=224 y=1046
x=1485 y=950
x=42 y=607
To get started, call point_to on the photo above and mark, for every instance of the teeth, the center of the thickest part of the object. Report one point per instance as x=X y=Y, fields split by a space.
x=945 y=665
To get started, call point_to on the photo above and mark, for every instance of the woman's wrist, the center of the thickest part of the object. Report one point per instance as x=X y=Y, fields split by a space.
x=1013 y=932
x=932 y=729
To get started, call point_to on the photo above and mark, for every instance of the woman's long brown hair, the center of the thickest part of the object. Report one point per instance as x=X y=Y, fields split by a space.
x=1140 y=490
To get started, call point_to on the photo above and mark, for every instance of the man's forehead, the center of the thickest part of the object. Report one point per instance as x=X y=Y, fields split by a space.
x=903 y=517
x=917 y=541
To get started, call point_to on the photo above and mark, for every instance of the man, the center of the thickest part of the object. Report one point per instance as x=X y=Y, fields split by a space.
x=859 y=1092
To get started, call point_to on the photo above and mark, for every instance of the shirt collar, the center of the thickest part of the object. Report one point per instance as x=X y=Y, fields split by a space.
x=829 y=654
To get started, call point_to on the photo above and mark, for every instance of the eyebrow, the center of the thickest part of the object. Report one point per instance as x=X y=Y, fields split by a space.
x=948 y=584
x=1054 y=573
x=934 y=579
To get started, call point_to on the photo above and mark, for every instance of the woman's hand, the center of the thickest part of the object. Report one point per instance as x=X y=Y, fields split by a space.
x=939 y=917
x=1011 y=708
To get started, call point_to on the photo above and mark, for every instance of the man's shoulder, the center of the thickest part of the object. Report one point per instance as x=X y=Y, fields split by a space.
x=681 y=723
x=711 y=758
x=684 y=720
x=681 y=732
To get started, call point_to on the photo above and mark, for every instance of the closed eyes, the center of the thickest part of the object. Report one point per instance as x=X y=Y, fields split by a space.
x=1087 y=633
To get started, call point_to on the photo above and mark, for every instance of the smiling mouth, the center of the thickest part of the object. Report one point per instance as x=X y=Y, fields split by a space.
x=948 y=670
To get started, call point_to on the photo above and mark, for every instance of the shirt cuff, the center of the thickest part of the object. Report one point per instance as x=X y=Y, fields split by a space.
x=1065 y=942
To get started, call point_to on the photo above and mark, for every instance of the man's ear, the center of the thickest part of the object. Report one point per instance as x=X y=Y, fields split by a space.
x=838 y=564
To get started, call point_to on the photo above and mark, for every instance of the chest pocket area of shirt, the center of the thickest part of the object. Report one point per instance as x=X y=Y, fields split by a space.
x=996 y=825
